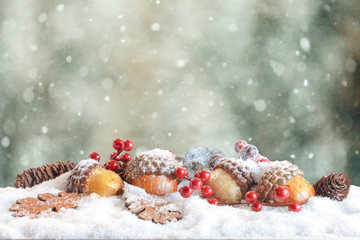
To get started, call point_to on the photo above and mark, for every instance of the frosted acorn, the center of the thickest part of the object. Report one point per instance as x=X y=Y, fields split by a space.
x=231 y=179
x=153 y=171
x=90 y=177
x=286 y=174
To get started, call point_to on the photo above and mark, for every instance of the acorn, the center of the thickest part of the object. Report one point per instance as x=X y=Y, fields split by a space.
x=153 y=171
x=284 y=173
x=90 y=177
x=231 y=179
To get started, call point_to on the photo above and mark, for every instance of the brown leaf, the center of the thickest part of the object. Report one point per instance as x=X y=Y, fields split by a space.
x=46 y=203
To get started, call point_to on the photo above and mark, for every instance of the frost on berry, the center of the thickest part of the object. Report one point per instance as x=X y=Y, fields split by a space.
x=239 y=145
x=248 y=152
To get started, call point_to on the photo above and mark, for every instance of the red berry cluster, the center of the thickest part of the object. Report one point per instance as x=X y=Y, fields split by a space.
x=120 y=146
x=251 y=198
x=259 y=158
x=281 y=194
x=200 y=178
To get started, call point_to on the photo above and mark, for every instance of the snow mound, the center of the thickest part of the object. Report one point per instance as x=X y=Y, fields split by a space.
x=107 y=217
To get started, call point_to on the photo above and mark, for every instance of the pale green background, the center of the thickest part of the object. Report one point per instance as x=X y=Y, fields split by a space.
x=283 y=75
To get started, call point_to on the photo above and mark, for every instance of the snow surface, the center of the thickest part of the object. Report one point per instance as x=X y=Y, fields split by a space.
x=107 y=217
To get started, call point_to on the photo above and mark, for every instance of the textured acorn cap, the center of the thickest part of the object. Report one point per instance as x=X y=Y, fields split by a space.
x=78 y=179
x=278 y=175
x=156 y=161
x=241 y=171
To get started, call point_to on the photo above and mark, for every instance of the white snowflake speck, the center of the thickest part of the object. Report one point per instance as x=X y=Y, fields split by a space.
x=5 y=142
x=305 y=44
x=44 y=129
x=260 y=105
x=155 y=27
x=28 y=95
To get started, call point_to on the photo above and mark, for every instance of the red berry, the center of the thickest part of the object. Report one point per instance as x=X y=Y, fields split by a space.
x=118 y=144
x=281 y=194
x=214 y=201
x=256 y=207
x=181 y=172
x=207 y=191
x=239 y=145
x=195 y=184
x=203 y=175
x=117 y=158
x=95 y=156
x=112 y=165
x=128 y=145
x=251 y=197
x=185 y=191
x=294 y=207
x=126 y=158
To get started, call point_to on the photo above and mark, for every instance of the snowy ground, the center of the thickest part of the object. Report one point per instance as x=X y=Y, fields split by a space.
x=99 y=217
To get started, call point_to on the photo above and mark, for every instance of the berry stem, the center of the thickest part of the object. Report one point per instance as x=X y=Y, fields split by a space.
x=187 y=178
x=118 y=153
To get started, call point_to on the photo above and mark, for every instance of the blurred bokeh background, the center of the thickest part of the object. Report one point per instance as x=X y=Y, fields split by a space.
x=283 y=75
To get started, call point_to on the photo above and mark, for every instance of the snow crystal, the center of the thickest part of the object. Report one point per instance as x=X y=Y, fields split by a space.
x=68 y=59
x=60 y=7
x=28 y=95
x=44 y=130
x=305 y=83
x=180 y=63
x=320 y=217
x=305 y=44
x=5 y=142
x=155 y=27
x=260 y=105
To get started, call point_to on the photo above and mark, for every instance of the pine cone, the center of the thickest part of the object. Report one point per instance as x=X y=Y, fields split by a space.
x=34 y=176
x=334 y=186
x=278 y=175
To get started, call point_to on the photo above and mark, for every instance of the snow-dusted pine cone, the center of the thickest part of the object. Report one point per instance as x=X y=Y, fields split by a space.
x=156 y=161
x=335 y=186
x=278 y=175
x=34 y=176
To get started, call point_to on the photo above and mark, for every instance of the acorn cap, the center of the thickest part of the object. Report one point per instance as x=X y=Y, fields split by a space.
x=156 y=161
x=240 y=171
x=78 y=179
x=278 y=175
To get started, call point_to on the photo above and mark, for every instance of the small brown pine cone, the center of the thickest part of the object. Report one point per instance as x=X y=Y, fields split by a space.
x=34 y=176
x=334 y=186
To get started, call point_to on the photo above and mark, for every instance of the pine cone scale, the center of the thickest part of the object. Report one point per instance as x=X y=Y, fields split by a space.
x=34 y=176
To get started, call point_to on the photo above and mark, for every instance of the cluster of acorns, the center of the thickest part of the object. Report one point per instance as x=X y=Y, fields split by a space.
x=251 y=178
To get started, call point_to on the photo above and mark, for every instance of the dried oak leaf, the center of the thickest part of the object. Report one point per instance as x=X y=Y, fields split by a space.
x=158 y=210
x=45 y=204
